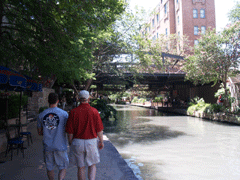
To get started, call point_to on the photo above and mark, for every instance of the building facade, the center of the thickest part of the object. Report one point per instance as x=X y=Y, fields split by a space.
x=190 y=18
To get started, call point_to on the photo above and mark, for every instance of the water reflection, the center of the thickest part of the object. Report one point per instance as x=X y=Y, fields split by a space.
x=130 y=127
x=175 y=147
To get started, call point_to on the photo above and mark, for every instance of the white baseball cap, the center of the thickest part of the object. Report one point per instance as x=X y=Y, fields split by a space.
x=83 y=94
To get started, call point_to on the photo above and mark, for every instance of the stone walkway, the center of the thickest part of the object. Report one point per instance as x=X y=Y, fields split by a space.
x=31 y=167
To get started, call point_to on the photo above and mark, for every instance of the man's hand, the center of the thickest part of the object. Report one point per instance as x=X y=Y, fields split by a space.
x=40 y=131
x=100 y=145
x=70 y=139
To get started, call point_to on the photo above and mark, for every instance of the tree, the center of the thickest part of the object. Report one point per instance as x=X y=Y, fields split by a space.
x=53 y=37
x=149 y=52
x=116 y=40
x=216 y=57
x=234 y=14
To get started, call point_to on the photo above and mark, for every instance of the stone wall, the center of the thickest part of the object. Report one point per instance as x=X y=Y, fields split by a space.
x=39 y=99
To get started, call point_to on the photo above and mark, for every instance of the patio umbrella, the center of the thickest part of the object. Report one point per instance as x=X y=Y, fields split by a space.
x=11 y=80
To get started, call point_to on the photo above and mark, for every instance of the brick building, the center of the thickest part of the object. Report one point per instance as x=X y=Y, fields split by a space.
x=181 y=17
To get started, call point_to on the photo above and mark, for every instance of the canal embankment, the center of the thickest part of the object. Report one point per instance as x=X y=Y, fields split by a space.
x=218 y=117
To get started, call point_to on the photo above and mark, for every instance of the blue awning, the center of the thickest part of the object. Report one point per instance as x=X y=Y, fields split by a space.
x=14 y=81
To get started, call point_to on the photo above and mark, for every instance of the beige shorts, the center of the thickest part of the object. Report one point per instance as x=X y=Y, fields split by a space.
x=84 y=150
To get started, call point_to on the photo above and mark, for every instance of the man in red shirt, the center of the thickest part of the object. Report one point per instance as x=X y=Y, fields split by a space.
x=84 y=125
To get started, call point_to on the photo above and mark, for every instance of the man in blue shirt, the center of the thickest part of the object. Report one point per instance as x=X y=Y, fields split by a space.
x=51 y=125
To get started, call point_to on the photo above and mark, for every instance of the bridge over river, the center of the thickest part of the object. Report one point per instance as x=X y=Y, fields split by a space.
x=170 y=79
x=172 y=147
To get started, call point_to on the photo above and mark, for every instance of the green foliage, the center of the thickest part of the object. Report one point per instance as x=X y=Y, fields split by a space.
x=14 y=105
x=215 y=57
x=225 y=95
x=142 y=100
x=213 y=108
x=158 y=99
x=41 y=109
x=106 y=111
x=197 y=104
x=54 y=37
x=135 y=99
x=120 y=102
x=149 y=52
x=234 y=14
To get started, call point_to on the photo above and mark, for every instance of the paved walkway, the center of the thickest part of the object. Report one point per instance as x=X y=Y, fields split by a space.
x=31 y=167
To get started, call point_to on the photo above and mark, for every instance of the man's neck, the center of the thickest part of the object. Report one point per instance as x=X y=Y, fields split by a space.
x=85 y=102
x=53 y=105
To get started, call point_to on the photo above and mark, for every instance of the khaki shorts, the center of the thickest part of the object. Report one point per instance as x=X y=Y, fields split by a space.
x=84 y=150
x=59 y=158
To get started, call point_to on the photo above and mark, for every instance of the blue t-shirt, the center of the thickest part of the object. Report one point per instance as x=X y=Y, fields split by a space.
x=53 y=121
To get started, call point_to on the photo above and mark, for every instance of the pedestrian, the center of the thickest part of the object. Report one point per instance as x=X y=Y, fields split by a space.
x=74 y=101
x=51 y=125
x=220 y=100
x=63 y=102
x=84 y=125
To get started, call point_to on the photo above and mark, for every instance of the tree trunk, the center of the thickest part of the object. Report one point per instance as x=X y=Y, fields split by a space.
x=74 y=88
x=88 y=84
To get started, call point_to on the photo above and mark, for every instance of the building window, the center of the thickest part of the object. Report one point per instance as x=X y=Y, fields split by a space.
x=195 y=30
x=202 y=13
x=149 y=28
x=203 y=29
x=157 y=17
x=195 y=13
x=177 y=1
x=161 y=1
x=166 y=32
x=196 y=42
x=179 y=33
x=157 y=35
x=165 y=8
x=146 y=30
x=178 y=19
x=153 y=23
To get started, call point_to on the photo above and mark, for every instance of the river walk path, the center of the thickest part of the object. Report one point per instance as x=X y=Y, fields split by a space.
x=111 y=167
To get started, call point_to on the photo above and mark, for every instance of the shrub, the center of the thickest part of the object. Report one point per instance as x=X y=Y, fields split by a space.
x=13 y=106
x=214 y=108
x=135 y=99
x=120 y=102
x=106 y=111
x=191 y=109
x=198 y=104
x=158 y=99
x=41 y=109
x=142 y=100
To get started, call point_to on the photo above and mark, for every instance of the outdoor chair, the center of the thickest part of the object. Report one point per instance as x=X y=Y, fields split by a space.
x=21 y=133
x=14 y=143
x=28 y=135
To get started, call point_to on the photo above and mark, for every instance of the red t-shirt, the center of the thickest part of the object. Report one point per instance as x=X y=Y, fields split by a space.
x=84 y=122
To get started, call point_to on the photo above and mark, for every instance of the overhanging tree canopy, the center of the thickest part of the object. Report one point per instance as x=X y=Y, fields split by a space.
x=46 y=38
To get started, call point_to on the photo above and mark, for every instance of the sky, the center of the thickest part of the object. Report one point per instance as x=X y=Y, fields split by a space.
x=222 y=7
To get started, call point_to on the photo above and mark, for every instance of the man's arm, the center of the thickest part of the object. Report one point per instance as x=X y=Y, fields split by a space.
x=70 y=138
x=100 y=136
x=40 y=131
